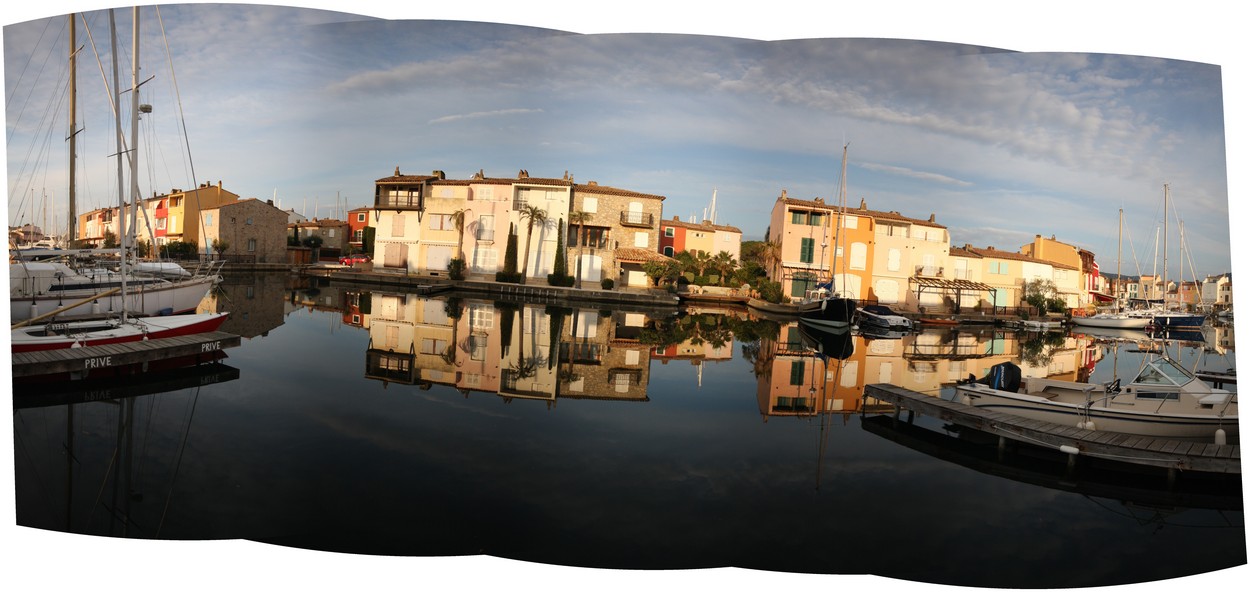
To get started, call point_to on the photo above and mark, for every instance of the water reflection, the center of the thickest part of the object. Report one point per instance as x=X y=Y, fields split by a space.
x=358 y=410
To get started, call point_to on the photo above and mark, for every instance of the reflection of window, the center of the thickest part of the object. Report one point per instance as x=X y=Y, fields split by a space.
x=796 y=372
x=481 y=317
x=477 y=347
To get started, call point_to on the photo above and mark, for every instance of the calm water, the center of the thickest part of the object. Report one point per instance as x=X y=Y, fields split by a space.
x=366 y=422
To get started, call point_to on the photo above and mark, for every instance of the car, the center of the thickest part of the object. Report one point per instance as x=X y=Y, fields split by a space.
x=353 y=259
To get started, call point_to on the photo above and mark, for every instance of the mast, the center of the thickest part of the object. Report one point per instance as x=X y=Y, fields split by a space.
x=1119 y=249
x=1165 y=246
x=73 y=128
x=134 y=158
x=117 y=128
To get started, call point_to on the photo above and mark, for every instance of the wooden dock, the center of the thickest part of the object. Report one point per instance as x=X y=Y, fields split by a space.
x=82 y=360
x=1142 y=450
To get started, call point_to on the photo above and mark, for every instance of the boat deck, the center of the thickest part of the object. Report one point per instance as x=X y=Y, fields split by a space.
x=97 y=357
x=1142 y=450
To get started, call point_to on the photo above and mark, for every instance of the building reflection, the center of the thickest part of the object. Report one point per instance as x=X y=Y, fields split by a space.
x=254 y=301
x=515 y=350
x=795 y=379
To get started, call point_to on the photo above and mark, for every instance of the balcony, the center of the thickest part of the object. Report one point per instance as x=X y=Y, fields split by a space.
x=930 y=271
x=639 y=219
x=485 y=235
x=399 y=201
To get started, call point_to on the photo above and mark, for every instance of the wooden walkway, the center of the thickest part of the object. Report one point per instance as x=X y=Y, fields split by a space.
x=97 y=357
x=1142 y=450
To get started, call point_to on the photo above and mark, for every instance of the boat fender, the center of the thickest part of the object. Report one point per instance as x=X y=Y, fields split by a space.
x=1220 y=437
x=1086 y=425
x=1067 y=449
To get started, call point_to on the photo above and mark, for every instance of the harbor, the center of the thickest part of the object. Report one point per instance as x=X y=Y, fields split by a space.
x=506 y=391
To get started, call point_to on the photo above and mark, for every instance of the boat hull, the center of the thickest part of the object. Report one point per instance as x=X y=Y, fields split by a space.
x=1177 y=320
x=160 y=299
x=833 y=313
x=1159 y=425
x=28 y=339
x=1112 y=321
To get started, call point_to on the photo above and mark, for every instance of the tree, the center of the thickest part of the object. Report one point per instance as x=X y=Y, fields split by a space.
x=1039 y=293
x=532 y=214
x=457 y=218
x=366 y=240
x=580 y=218
x=110 y=239
x=509 y=273
x=560 y=271
x=725 y=265
x=220 y=246
x=662 y=270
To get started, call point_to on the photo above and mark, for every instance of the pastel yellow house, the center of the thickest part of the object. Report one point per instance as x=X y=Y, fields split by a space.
x=175 y=216
x=906 y=248
x=818 y=245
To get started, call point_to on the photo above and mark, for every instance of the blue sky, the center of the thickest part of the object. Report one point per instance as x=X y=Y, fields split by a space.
x=311 y=106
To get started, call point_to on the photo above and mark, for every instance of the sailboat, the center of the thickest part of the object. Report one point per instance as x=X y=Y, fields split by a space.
x=37 y=289
x=1116 y=319
x=1169 y=318
x=834 y=311
x=27 y=337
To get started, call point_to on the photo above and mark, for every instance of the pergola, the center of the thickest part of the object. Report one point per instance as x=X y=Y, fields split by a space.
x=957 y=286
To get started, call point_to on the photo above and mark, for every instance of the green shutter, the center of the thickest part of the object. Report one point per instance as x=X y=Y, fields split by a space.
x=796 y=372
x=808 y=250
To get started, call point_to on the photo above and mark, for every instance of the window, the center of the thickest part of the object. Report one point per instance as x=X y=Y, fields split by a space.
x=441 y=222
x=249 y=219
x=251 y=245
x=668 y=232
x=433 y=346
x=208 y=219
x=641 y=240
x=895 y=260
x=358 y=236
x=397 y=225
x=590 y=205
x=999 y=267
x=807 y=250
x=801 y=283
x=859 y=256
x=668 y=251
x=851 y=222
x=816 y=219
x=485 y=260
x=798 y=217
x=360 y=217
x=796 y=372
x=331 y=233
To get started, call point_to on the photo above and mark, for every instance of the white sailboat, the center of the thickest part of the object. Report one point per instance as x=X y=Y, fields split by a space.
x=38 y=288
x=28 y=337
x=1115 y=319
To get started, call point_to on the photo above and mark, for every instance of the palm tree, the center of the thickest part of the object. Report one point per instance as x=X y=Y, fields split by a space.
x=770 y=255
x=532 y=214
x=457 y=218
x=580 y=218
x=702 y=261
x=724 y=264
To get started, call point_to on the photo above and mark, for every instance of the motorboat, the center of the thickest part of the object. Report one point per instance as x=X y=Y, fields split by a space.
x=1163 y=400
x=882 y=317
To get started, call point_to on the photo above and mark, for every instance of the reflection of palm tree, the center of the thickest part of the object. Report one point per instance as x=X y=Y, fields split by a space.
x=532 y=214
x=580 y=219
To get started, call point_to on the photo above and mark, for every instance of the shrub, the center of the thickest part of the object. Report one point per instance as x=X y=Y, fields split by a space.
x=455 y=268
x=506 y=277
x=771 y=291
x=560 y=280
x=607 y=283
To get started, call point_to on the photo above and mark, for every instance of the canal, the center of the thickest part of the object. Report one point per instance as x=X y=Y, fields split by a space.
x=363 y=421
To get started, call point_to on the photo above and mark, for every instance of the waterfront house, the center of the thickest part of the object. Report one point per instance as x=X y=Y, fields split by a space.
x=252 y=230
x=94 y=225
x=1217 y=292
x=398 y=207
x=357 y=221
x=175 y=216
x=820 y=245
x=441 y=234
x=910 y=255
x=1075 y=276
x=619 y=231
x=706 y=237
x=1006 y=273
x=487 y=216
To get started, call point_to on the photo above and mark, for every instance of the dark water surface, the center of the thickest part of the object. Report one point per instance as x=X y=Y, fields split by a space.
x=344 y=423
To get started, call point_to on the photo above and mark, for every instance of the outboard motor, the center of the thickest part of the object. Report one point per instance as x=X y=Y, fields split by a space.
x=1004 y=376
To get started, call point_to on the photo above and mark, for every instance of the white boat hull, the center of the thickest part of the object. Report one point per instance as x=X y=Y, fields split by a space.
x=1112 y=321
x=163 y=299
x=1175 y=424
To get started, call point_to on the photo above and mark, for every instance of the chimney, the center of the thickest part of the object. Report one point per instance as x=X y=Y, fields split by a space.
x=269 y=201
x=396 y=170
x=863 y=204
x=933 y=217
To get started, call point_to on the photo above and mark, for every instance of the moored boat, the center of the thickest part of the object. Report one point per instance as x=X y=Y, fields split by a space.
x=1163 y=400
x=71 y=334
x=881 y=317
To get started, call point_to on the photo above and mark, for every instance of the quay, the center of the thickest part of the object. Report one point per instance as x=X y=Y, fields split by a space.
x=535 y=291
x=77 y=362
x=1142 y=450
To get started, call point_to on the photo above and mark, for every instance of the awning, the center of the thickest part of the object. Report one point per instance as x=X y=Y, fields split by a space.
x=1099 y=296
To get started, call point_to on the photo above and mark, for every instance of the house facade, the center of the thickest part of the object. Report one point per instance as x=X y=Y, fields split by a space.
x=175 y=216
x=357 y=221
x=250 y=228
x=907 y=252
x=618 y=233
x=677 y=236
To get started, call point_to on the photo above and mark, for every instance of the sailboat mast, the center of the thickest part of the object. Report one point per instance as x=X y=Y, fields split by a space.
x=1119 y=253
x=117 y=128
x=134 y=158
x=73 y=128
x=1165 y=246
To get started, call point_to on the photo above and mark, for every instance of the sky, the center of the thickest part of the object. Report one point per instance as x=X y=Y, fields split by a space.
x=1008 y=123
x=308 y=107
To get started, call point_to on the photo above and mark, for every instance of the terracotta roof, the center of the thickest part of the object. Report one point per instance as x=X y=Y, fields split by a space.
x=406 y=179
x=862 y=210
x=962 y=252
x=705 y=225
x=636 y=255
x=593 y=187
x=997 y=254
